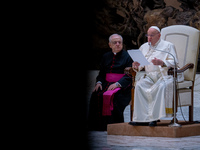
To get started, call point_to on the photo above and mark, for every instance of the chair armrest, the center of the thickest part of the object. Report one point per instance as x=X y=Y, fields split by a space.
x=187 y=66
x=128 y=70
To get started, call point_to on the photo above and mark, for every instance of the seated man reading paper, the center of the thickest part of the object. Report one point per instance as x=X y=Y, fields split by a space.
x=112 y=92
x=153 y=98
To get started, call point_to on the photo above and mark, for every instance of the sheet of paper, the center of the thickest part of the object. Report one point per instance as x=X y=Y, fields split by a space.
x=137 y=55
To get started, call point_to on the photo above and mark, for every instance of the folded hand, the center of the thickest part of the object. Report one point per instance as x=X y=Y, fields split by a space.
x=156 y=61
x=112 y=87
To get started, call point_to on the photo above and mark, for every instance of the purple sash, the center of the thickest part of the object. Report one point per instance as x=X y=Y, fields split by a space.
x=109 y=95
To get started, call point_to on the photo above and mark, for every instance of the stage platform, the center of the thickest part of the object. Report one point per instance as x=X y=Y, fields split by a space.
x=161 y=130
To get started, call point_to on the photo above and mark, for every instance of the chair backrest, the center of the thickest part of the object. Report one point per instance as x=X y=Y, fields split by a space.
x=186 y=40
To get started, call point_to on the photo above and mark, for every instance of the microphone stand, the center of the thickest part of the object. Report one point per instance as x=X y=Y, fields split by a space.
x=174 y=79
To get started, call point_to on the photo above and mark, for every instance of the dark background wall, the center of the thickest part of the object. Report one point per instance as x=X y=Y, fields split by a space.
x=132 y=18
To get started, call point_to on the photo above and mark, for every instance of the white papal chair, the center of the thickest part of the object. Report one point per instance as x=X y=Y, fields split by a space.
x=186 y=40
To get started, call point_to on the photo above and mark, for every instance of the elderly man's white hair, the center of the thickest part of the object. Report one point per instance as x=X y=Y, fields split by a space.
x=110 y=38
x=155 y=27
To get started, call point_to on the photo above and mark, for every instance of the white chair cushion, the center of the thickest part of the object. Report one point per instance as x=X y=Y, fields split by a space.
x=185 y=97
x=184 y=84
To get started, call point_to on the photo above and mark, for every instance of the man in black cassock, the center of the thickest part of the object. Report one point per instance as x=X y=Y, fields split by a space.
x=113 y=63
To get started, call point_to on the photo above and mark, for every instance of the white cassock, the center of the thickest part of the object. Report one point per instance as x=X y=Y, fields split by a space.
x=153 y=98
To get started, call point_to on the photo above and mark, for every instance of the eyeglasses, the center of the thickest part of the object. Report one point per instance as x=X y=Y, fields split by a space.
x=115 y=42
x=152 y=35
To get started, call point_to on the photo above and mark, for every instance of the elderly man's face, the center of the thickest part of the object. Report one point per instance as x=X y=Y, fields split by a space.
x=116 y=44
x=153 y=36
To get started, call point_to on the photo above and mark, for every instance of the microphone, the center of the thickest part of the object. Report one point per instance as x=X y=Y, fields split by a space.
x=174 y=79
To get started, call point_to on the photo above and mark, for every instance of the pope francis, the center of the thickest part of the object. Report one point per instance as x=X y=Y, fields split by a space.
x=153 y=98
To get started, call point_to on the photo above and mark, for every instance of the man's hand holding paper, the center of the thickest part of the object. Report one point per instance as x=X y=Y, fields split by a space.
x=135 y=64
